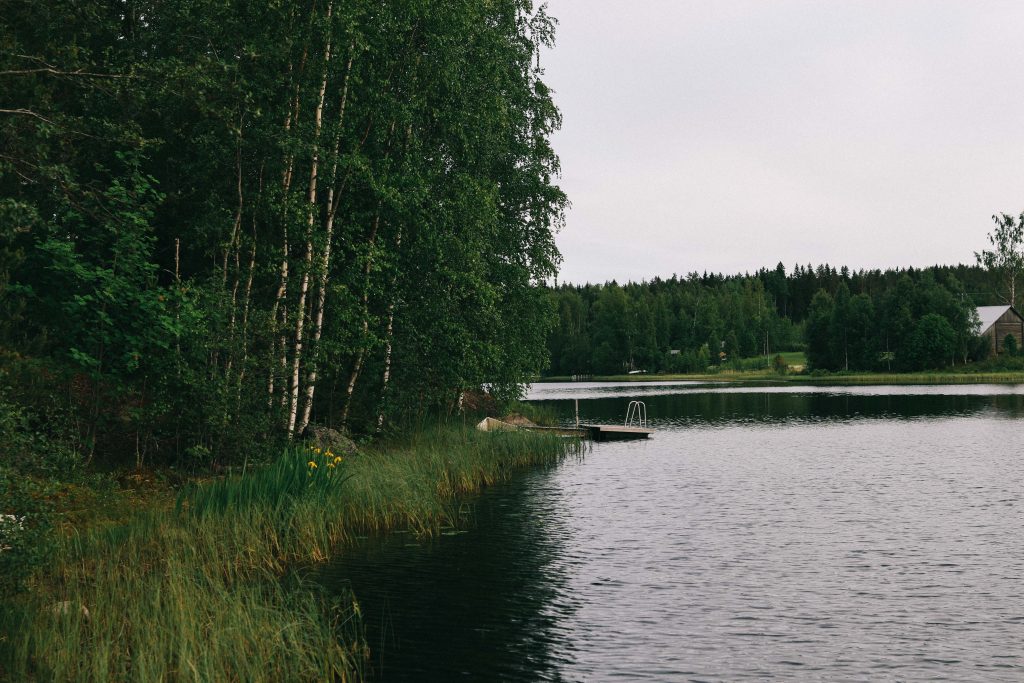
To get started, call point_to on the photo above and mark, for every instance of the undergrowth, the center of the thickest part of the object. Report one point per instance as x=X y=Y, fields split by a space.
x=206 y=590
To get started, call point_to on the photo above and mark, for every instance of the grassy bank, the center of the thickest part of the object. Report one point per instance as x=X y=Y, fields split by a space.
x=202 y=587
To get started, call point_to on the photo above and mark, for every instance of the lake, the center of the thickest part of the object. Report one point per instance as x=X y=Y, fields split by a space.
x=794 y=533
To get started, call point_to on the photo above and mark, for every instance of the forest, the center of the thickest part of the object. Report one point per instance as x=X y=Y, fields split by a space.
x=893 y=320
x=263 y=268
x=254 y=256
x=222 y=221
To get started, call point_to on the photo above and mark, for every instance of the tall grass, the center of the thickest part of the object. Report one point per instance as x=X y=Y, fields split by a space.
x=205 y=591
x=538 y=414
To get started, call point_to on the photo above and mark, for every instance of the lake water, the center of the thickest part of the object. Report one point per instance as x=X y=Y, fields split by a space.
x=791 y=533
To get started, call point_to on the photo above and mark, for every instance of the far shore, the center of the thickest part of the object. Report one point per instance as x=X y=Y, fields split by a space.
x=866 y=378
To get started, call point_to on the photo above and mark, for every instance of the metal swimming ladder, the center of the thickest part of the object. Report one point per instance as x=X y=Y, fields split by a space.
x=637 y=411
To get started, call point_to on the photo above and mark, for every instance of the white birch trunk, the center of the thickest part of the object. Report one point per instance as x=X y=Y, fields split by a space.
x=280 y=344
x=358 y=366
x=300 y=314
x=388 y=334
x=388 y=337
x=325 y=260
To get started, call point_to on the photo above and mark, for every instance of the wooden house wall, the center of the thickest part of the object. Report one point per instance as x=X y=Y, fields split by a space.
x=1008 y=323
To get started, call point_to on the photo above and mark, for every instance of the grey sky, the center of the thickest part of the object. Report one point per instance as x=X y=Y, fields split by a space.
x=725 y=136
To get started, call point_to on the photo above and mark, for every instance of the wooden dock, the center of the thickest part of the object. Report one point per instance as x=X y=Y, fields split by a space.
x=598 y=432
x=583 y=431
x=616 y=432
x=578 y=432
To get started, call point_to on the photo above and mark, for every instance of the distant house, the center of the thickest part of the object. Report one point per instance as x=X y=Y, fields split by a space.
x=999 y=321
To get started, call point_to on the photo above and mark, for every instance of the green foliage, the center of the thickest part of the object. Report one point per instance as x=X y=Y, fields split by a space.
x=26 y=538
x=998 y=363
x=611 y=329
x=779 y=365
x=820 y=349
x=1006 y=259
x=932 y=343
x=1010 y=345
x=301 y=474
x=896 y=329
x=538 y=414
x=751 y=315
x=221 y=220
x=36 y=443
x=979 y=348
x=210 y=591
x=96 y=295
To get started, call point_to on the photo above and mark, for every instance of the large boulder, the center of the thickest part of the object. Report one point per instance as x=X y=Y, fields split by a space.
x=326 y=438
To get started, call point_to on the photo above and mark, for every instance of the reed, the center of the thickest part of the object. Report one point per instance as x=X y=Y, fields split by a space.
x=207 y=589
x=538 y=414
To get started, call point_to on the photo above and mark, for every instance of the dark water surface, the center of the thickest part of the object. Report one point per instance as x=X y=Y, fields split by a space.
x=792 y=533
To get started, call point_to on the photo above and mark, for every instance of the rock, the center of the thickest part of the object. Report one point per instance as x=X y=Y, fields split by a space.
x=491 y=424
x=518 y=420
x=326 y=438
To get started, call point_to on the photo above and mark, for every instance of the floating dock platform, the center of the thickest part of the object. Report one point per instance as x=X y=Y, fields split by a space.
x=583 y=431
x=616 y=432
x=598 y=432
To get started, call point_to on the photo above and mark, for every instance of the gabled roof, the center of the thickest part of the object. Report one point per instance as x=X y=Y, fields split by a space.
x=990 y=314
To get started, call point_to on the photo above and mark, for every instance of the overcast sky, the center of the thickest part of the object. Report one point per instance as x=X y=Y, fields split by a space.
x=726 y=136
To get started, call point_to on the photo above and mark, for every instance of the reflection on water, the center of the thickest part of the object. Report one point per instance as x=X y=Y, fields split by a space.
x=483 y=602
x=586 y=390
x=823 y=534
x=669 y=406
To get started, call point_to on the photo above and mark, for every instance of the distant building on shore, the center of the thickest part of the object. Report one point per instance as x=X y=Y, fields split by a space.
x=999 y=321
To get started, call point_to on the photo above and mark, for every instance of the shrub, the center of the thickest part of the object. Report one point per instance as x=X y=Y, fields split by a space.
x=980 y=348
x=1010 y=345
x=26 y=541
x=35 y=445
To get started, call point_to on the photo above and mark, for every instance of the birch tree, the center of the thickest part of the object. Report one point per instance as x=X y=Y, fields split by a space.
x=1006 y=258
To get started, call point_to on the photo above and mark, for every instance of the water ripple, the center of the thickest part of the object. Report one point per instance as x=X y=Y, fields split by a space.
x=841 y=546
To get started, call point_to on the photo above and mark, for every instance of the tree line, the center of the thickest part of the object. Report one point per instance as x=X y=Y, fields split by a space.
x=223 y=220
x=612 y=328
x=893 y=319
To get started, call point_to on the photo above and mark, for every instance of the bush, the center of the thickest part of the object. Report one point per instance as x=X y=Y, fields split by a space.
x=35 y=445
x=26 y=541
x=980 y=348
x=1010 y=345
x=33 y=462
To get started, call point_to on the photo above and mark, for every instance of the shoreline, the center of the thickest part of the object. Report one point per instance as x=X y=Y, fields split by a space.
x=864 y=378
x=212 y=587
